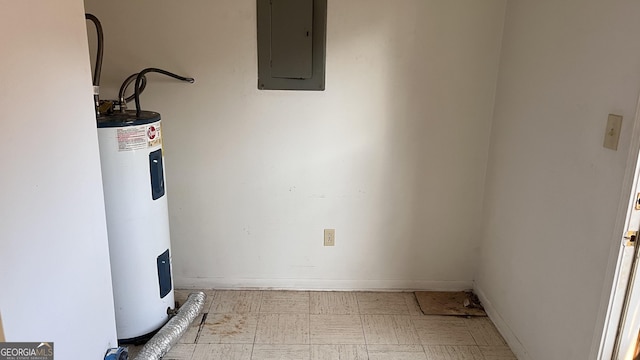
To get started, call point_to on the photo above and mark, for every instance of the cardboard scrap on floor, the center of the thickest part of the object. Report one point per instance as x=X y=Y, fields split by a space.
x=459 y=303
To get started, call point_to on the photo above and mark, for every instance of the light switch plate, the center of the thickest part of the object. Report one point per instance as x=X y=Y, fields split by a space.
x=612 y=132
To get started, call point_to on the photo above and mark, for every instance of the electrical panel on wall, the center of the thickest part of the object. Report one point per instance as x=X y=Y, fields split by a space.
x=291 y=44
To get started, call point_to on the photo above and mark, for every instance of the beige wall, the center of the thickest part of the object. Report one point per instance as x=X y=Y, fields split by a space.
x=552 y=189
x=392 y=155
x=55 y=277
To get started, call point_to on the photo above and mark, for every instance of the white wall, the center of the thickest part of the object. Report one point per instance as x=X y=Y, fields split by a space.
x=54 y=268
x=392 y=155
x=552 y=190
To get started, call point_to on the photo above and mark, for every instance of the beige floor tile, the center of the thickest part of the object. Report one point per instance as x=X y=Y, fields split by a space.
x=497 y=353
x=229 y=329
x=276 y=329
x=222 y=352
x=442 y=330
x=237 y=302
x=382 y=303
x=189 y=336
x=339 y=352
x=449 y=352
x=484 y=332
x=133 y=350
x=412 y=304
x=396 y=352
x=334 y=303
x=336 y=329
x=389 y=329
x=281 y=352
x=180 y=352
x=283 y=324
x=180 y=295
x=285 y=302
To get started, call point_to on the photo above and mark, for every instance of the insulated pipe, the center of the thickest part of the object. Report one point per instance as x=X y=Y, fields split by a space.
x=123 y=88
x=98 y=67
x=141 y=76
x=163 y=340
x=100 y=51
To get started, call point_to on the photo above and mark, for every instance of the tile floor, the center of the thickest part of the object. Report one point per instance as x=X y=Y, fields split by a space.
x=300 y=325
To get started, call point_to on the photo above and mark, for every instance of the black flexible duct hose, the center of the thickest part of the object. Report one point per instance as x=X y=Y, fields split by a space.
x=98 y=69
x=125 y=85
x=139 y=80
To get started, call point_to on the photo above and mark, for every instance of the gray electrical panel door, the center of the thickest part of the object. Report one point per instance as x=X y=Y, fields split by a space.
x=291 y=44
x=291 y=39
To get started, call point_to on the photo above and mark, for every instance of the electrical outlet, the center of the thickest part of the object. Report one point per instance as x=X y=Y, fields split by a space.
x=329 y=237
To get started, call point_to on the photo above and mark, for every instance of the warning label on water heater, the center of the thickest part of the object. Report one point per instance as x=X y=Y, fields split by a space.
x=139 y=137
x=153 y=135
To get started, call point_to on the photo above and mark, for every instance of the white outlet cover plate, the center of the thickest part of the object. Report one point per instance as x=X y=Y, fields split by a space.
x=329 y=237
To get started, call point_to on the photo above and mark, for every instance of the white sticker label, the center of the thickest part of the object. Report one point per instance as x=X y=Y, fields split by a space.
x=154 y=134
x=139 y=137
x=132 y=138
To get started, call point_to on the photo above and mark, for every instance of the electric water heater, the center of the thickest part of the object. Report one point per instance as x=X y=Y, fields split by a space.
x=137 y=221
x=135 y=205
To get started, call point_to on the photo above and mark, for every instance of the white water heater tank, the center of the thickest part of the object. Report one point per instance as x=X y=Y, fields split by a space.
x=137 y=221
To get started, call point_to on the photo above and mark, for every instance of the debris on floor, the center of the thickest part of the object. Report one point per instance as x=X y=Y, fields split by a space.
x=461 y=303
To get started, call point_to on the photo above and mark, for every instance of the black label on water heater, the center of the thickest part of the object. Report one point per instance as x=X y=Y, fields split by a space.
x=157 y=174
x=164 y=273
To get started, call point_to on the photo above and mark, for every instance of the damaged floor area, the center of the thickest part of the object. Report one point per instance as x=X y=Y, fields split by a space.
x=302 y=325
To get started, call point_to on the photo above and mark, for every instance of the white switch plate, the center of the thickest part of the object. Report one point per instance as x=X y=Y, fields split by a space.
x=612 y=132
x=329 y=237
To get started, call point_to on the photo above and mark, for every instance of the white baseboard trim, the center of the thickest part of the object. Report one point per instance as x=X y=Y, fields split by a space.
x=319 y=284
x=504 y=329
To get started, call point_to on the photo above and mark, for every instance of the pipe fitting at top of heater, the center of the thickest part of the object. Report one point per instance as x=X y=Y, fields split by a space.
x=123 y=89
x=139 y=79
